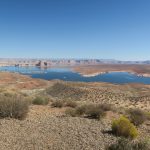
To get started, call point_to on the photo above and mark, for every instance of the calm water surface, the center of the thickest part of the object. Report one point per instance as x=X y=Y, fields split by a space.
x=67 y=75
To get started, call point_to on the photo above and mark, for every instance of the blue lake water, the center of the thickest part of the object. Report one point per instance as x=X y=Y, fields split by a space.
x=67 y=75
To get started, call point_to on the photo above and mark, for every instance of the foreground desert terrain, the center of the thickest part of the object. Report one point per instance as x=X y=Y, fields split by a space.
x=49 y=128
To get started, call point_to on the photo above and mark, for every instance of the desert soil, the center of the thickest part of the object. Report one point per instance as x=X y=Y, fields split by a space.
x=47 y=128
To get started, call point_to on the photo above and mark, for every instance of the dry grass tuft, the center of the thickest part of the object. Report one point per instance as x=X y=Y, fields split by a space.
x=125 y=144
x=90 y=111
x=40 y=101
x=70 y=103
x=137 y=116
x=13 y=107
x=57 y=103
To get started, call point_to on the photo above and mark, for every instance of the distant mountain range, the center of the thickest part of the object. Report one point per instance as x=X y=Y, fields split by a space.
x=63 y=62
x=124 y=62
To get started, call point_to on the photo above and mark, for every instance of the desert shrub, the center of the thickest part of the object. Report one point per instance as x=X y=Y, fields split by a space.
x=57 y=103
x=105 y=107
x=81 y=110
x=91 y=111
x=123 y=127
x=141 y=145
x=71 y=103
x=13 y=107
x=147 y=115
x=137 y=116
x=40 y=101
x=71 y=112
x=94 y=112
x=8 y=94
x=122 y=144
x=78 y=111
x=125 y=144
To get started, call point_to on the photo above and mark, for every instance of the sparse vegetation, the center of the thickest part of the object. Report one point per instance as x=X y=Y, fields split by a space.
x=105 y=107
x=63 y=103
x=8 y=94
x=108 y=96
x=65 y=91
x=94 y=112
x=122 y=144
x=71 y=112
x=137 y=116
x=70 y=103
x=57 y=103
x=80 y=110
x=125 y=144
x=45 y=122
x=147 y=115
x=13 y=107
x=123 y=127
x=90 y=111
x=40 y=101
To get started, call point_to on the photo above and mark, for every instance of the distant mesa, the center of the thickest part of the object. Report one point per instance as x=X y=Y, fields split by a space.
x=43 y=64
x=62 y=62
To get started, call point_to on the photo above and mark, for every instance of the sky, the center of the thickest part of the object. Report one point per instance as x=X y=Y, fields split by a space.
x=101 y=29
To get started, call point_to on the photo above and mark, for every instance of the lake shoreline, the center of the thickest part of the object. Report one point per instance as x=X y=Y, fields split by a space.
x=101 y=73
x=65 y=74
x=94 y=70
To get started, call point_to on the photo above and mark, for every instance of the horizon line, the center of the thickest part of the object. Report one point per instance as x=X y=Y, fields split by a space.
x=62 y=58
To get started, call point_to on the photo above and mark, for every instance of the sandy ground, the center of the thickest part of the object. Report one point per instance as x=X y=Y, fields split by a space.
x=46 y=129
